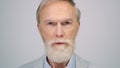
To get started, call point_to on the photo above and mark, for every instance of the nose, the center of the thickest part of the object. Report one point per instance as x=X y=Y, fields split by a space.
x=59 y=31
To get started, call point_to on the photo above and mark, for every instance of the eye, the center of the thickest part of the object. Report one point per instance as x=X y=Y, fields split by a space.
x=51 y=23
x=66 y=23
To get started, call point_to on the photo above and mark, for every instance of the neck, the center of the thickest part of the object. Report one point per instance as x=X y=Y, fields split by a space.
x=57 y=65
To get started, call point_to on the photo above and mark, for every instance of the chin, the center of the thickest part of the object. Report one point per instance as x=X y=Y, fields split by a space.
x=60 y=54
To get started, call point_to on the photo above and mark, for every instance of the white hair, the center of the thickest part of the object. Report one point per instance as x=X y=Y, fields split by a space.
x=45 y=2
x=60 y=53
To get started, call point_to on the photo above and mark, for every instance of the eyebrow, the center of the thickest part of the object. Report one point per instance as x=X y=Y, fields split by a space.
x=69 y=19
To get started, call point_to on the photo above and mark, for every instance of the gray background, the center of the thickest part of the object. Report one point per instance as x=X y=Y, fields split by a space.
x=98 y=40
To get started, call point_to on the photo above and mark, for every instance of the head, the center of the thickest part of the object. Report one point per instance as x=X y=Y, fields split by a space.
x=58 y=24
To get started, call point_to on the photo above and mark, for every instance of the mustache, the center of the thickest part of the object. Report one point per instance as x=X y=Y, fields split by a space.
x=64 y=41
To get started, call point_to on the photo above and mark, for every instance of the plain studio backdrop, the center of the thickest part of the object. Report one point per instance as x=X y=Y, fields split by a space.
x=98 y=39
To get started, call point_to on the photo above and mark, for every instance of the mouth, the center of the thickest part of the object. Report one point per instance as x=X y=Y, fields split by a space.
x=59 y=44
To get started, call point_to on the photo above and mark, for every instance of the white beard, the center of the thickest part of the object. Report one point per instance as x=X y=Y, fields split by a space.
x=60 y=53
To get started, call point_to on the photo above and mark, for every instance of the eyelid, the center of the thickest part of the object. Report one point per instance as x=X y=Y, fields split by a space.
x=62 y=22
x=48 y=21
x=66 y=22
x=51 y=23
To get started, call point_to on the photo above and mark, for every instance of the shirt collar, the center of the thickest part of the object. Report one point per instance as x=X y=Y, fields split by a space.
x=71 y=63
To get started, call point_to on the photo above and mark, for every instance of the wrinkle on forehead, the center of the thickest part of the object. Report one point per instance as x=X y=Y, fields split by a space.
x=60 y=9
x=47 y=2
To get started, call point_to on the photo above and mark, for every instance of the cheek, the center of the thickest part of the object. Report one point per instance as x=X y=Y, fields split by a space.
x=71 y=33
x=46 y=34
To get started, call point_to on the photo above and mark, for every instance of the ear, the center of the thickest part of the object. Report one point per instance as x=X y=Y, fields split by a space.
x=78 y=24
x=38 y=26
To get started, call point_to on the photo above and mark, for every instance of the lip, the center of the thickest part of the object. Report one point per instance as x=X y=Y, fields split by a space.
x=59 y=43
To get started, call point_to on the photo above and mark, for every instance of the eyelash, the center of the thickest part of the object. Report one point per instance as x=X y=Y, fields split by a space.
x=63 y=23
x=66 y=23
x=49 y=23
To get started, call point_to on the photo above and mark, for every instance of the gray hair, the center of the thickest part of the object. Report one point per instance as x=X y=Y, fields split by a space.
x=45 y=2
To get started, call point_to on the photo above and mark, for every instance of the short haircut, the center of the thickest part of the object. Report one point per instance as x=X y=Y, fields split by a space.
x=45 y=2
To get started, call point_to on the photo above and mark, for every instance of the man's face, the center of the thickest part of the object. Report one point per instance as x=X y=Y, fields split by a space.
x=58 y=27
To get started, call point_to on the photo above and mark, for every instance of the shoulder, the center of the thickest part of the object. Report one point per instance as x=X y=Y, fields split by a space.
x=38 y=63
x=82 y=63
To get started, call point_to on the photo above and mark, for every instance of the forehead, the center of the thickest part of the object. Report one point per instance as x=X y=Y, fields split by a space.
x=51 y=3
x=59 y=9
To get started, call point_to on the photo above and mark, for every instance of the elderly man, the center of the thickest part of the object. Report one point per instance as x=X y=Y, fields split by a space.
x=58 y=24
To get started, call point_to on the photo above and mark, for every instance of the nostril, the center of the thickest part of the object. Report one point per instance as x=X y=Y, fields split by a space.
x=59 y=30
x=58 y=35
